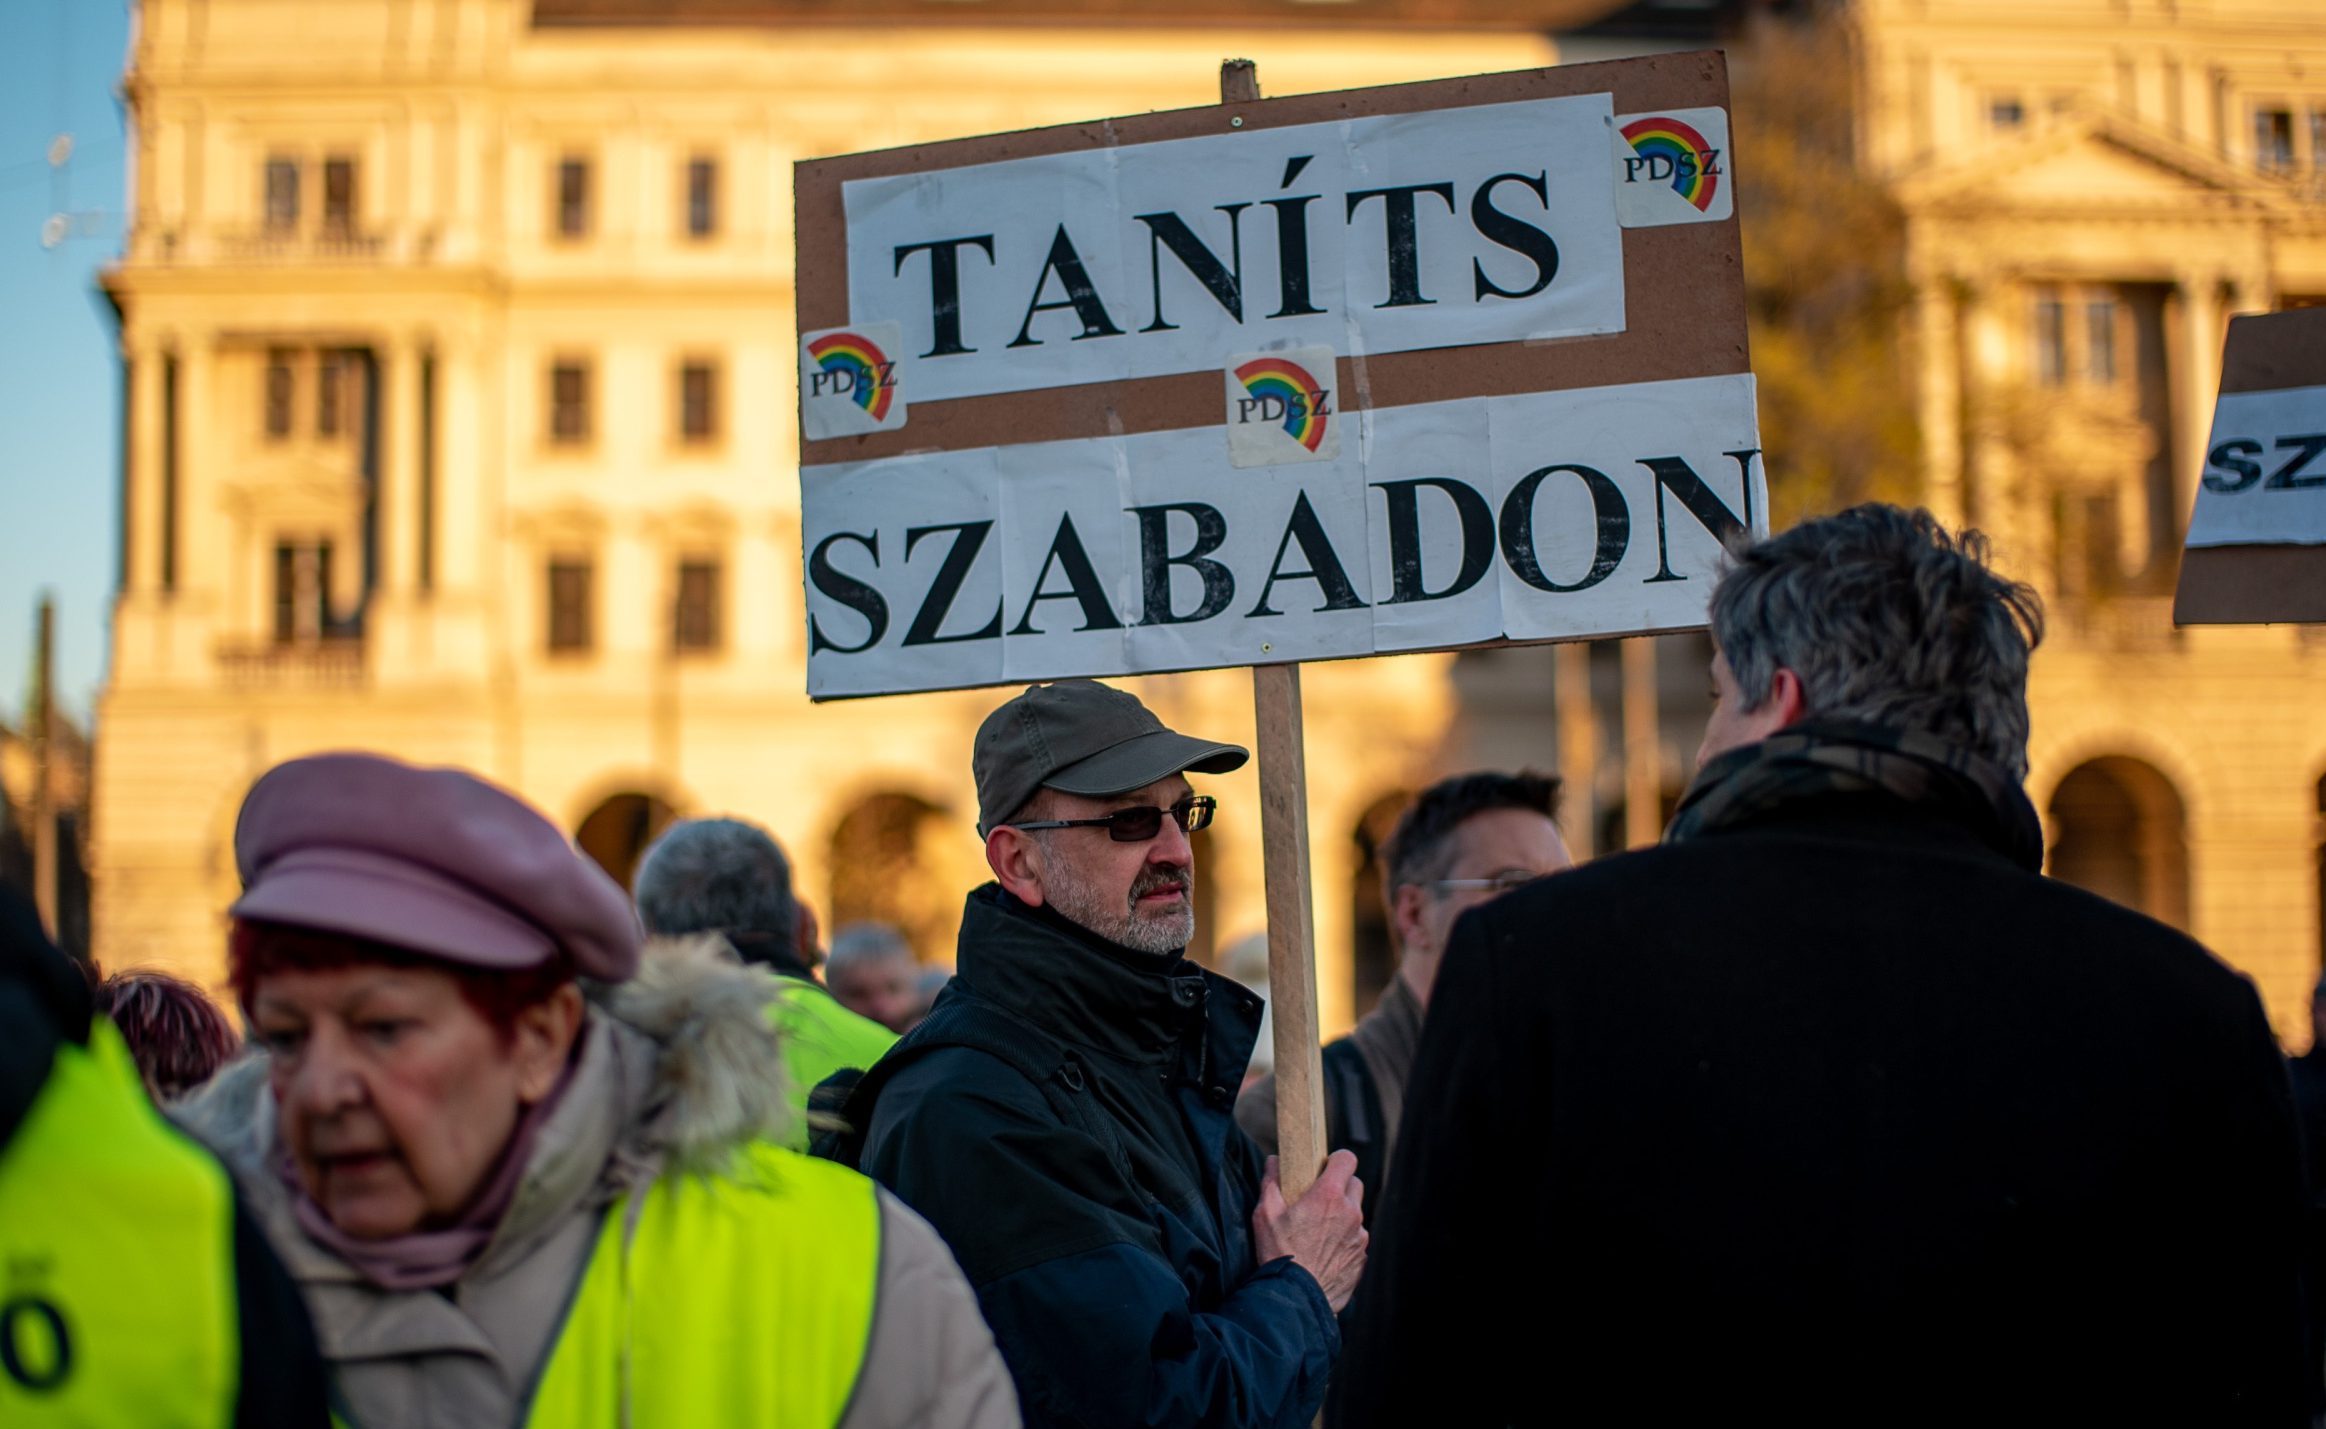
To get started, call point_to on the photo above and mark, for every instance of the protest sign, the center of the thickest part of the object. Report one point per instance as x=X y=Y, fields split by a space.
x=1397 y=369
x=2257 y=539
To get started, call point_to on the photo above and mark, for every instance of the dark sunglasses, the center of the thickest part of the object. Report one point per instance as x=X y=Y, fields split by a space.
x=1136 y=826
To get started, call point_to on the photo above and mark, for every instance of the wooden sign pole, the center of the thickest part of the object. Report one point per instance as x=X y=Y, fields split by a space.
x=1300 y=1106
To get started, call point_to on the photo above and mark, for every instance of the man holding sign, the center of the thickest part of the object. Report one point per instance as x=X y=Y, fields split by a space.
x=1063 y=1117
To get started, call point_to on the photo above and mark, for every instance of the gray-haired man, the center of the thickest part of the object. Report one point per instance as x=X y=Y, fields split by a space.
x=1833 y=1110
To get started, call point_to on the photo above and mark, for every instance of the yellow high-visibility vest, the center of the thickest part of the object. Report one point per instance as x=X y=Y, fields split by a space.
x=745 y=1298
x=117 y=1289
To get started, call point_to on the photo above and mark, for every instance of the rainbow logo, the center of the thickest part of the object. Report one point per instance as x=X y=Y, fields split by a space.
x=1305 y=404
x=1694 y=164
x=854 y=365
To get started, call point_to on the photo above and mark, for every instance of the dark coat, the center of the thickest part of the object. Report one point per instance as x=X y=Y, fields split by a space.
x=1839 y=1116
x=1063 y=1119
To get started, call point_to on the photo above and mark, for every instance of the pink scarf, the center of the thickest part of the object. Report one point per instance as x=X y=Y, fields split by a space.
x=425 y=1260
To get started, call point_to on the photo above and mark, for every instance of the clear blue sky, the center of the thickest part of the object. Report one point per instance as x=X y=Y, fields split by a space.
x=59 y=406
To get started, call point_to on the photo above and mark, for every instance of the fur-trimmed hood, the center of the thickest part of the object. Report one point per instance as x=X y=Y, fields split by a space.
x=674 y=1070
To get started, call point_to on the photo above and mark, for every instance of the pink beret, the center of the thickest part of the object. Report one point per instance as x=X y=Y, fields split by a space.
x=434 y=860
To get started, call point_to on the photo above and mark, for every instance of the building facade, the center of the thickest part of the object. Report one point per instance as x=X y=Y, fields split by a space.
x=460 y=424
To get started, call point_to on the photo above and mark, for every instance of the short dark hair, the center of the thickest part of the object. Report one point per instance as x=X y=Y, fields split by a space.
x=1417 y=851
x=175 y=1034
x=1889 y=619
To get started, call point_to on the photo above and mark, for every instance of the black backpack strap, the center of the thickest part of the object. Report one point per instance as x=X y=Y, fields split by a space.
x=1053 y=1068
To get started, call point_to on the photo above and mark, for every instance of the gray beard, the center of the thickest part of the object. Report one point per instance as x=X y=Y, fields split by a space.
x=1117 y=918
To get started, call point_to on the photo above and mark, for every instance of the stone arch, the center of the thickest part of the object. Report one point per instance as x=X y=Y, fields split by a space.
x=618 y=828
x=886 y=868
x=2119 y=828
x=1372 y=942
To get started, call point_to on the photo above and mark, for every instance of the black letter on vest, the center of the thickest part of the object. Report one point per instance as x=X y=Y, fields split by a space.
x=968 y=540
x=1083 y=586
x=35 y=1375
x=847 y=590
x=1324 y=565
x=1169 y=230
x=1080 y=295
x=1156 y=561
x=1676 y=476
x=1521 y=238
x=1518 y=529
x=1407 y=581
x=1404 y=239
x=945 y=287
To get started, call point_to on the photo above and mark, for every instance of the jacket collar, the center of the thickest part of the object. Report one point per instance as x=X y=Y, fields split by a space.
x=1102 y=997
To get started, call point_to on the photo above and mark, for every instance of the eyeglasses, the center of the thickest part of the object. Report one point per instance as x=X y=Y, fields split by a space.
x=1500 y=883
x=1136 y=826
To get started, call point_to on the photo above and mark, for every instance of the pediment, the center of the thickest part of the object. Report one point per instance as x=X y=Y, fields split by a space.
x=2096 y=162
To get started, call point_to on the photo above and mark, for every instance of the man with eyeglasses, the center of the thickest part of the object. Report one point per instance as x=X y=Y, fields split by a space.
x=1064 y=1115
x=1460 y=842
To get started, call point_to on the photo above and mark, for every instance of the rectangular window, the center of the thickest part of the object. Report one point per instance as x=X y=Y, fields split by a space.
x=338 y=196
x=569 y=404
x=2006 y=113
x=282 y=195
x=698 y=403
x=573 y=197
x=330 y=393
x=302 y=590
x=281 y=388
x=569 y=605
x=2100 y=341
x=695 y=625
x=702 y=197
x=2273 y=139
x=2051 y=345
x=2318 y=139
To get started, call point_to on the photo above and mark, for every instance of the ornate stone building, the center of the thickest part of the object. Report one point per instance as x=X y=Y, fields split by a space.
x=460 y=424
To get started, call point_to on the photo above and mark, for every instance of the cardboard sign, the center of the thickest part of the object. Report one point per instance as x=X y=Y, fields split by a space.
x=2257 y=539
x=1393 y=369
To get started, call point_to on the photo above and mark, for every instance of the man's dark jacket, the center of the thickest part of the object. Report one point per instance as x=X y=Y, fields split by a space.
x=1832 y=1112
x=1063 y=1119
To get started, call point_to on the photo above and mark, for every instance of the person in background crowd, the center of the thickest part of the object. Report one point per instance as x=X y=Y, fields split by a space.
x=727 y=879
x=927 y=985
x=137 y=1291
x=2309 y=1077
x=1460 y=842
x=177 y=1036
x=873 y=972
x=1832 y=1109
x=1064 y=1116
x=508 y=1203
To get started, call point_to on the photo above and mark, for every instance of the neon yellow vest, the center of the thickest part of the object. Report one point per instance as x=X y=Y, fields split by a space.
x=819 y=1037
x=117 y=1294
x=740 y=1299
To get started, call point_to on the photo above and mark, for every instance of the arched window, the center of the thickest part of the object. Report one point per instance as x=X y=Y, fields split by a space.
x=1373 y=951
x=618 y=830
x=2119 y=830
x=884 y=870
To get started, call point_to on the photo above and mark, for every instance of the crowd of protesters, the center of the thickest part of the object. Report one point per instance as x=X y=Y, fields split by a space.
x=1829 y=1109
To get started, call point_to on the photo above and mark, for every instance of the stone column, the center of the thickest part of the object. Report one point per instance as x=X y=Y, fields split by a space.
x=1938 y=397
x=399 y=499
x=2195 y=368
x=1578 y=746
x=1643 y=749
x=141 y=553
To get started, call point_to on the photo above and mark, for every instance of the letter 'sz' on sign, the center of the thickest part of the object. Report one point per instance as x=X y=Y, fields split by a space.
x=1329 y=376
x=1673 y=167
x=852 y=381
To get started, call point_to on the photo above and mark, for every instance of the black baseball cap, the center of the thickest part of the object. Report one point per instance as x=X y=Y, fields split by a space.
x=1084 y=738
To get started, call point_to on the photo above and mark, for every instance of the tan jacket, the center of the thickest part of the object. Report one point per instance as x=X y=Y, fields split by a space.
x=674 y=1067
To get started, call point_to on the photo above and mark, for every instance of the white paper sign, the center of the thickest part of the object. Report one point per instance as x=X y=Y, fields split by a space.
x=1598 y=511
x=852 y=381
x=2265 y=471
x=1445 y=228
x=1673 y=166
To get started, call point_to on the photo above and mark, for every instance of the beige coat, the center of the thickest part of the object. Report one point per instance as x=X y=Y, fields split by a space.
x=674 y=1068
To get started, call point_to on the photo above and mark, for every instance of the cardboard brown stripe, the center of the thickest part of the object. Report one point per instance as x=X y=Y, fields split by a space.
x=2276 y=351
x=1667 y=272
x=2251 y=585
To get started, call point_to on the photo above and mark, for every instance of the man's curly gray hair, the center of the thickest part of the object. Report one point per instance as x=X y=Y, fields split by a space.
x=1890 y=620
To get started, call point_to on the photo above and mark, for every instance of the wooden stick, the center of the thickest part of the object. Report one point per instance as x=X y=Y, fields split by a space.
x=1578 y=746
x=1300 y=1106
x=1643 y=753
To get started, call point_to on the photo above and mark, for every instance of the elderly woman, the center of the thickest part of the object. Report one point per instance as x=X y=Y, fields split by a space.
x=509 y=1202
